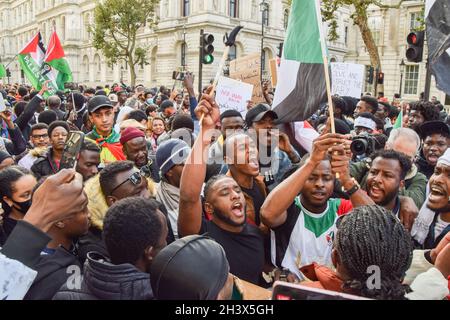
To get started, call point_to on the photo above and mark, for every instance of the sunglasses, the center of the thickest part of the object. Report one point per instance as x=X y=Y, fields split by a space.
x=135 y=179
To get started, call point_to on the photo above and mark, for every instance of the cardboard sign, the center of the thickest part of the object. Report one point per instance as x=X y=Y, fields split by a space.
x=248 y=69
x=233 y=94
x=347 y=79
x=273 y=71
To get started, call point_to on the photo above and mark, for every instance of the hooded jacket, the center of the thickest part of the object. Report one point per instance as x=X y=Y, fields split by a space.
x=103 y=280
x=53 y=271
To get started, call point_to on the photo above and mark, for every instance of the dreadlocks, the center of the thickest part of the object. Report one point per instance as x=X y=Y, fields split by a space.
x=372 y=236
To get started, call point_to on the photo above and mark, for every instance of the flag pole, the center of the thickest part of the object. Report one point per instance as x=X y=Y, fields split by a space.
x=325 y=64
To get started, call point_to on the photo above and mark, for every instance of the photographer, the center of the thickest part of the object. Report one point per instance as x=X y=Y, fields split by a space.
x=367 y=139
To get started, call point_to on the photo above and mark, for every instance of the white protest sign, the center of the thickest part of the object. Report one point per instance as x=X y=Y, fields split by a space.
x=347 y=79
x=233 y=94
x=2 y=103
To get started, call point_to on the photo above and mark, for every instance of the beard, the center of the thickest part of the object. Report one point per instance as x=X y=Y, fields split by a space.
x=389 y=197
x=224 y=218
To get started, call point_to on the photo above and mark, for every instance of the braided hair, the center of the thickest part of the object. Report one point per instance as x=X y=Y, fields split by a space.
x=372 y=236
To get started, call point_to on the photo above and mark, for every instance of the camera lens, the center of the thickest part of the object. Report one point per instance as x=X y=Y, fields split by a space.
x=359 y=146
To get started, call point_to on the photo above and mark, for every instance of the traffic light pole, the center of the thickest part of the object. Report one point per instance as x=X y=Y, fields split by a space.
x=426 y=92
x=200 y=64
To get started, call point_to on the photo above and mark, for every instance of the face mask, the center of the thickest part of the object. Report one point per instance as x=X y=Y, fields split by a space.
x=23 y=206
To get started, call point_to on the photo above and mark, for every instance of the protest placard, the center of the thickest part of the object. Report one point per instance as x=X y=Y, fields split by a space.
x=233 y=94
x=347 y=79
x=248 y=69
x=273 y=71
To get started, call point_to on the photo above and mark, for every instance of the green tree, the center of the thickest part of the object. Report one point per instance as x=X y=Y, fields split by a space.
x=115 y=30
x=360 y=19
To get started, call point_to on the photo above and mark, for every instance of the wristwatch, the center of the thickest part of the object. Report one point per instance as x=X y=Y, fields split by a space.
x=353 y=189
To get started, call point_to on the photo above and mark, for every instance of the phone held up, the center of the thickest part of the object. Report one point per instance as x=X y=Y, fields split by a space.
x=72 y=150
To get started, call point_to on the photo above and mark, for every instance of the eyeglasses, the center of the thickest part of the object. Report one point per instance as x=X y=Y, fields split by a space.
x=135 y=179
x=40 y=136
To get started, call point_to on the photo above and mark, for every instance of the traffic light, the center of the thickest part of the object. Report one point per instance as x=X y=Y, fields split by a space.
x=8 y=73
x=415 y=40
x=370 y=75
x=207 y=48
x=380 y=78
x=280 y=50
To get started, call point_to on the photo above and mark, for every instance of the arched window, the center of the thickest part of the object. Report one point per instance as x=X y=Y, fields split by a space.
x=97 y=67
x=85 y=69
x=63 y=28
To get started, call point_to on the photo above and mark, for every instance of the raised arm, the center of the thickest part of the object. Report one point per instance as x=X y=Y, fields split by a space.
x=31 y=108
x=194 y=172
x=340 y=163
x=273 y=211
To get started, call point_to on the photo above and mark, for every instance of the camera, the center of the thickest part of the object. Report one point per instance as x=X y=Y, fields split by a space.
x=366 y=143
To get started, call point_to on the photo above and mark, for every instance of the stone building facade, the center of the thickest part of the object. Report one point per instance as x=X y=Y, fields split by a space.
x=175 y=41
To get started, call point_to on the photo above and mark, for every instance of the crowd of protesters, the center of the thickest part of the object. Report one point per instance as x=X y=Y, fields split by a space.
x=172 y=199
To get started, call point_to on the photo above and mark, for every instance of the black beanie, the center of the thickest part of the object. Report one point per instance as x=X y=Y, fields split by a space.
x=192 y=268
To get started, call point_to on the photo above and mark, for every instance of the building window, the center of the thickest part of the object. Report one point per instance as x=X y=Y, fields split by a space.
x=411 y=79
x=232 y=54
x=346 y=35
x=415 y=21
x=234 y=5
x=185 y=7
x=375 y=27
x=183 y=54
x=265 y=16
x=286 y=19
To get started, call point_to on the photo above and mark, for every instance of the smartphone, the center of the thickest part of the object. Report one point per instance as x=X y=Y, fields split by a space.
x=290 y=291
x=178 y=75
x=71 y=150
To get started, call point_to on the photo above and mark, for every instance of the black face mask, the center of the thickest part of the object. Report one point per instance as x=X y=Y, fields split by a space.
x=23 y=206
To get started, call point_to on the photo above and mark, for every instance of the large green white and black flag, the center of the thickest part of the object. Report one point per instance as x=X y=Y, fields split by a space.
x=437 y=17
x=301 y=86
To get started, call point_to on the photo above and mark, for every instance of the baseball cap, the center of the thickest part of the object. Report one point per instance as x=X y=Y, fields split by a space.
x=255 y=114
x=98 y=102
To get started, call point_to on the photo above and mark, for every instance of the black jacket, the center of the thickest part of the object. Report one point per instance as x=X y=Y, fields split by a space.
x=44 y=165
x=53 y=271
x=103 y=280
x=424 y=167
x=92 y=241
x=23 y=121
x=25 y=244
x=16 y=144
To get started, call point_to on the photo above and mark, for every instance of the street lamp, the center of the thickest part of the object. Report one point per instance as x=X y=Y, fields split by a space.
x=402 y=70
x=263 y=7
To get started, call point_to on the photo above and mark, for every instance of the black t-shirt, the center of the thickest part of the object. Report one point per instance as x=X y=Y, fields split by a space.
x=258 y=200
x=244 y=250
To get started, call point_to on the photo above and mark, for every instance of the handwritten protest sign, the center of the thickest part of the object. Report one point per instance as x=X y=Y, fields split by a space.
x=347 y=79
x=248 y=69
x=233 y=94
